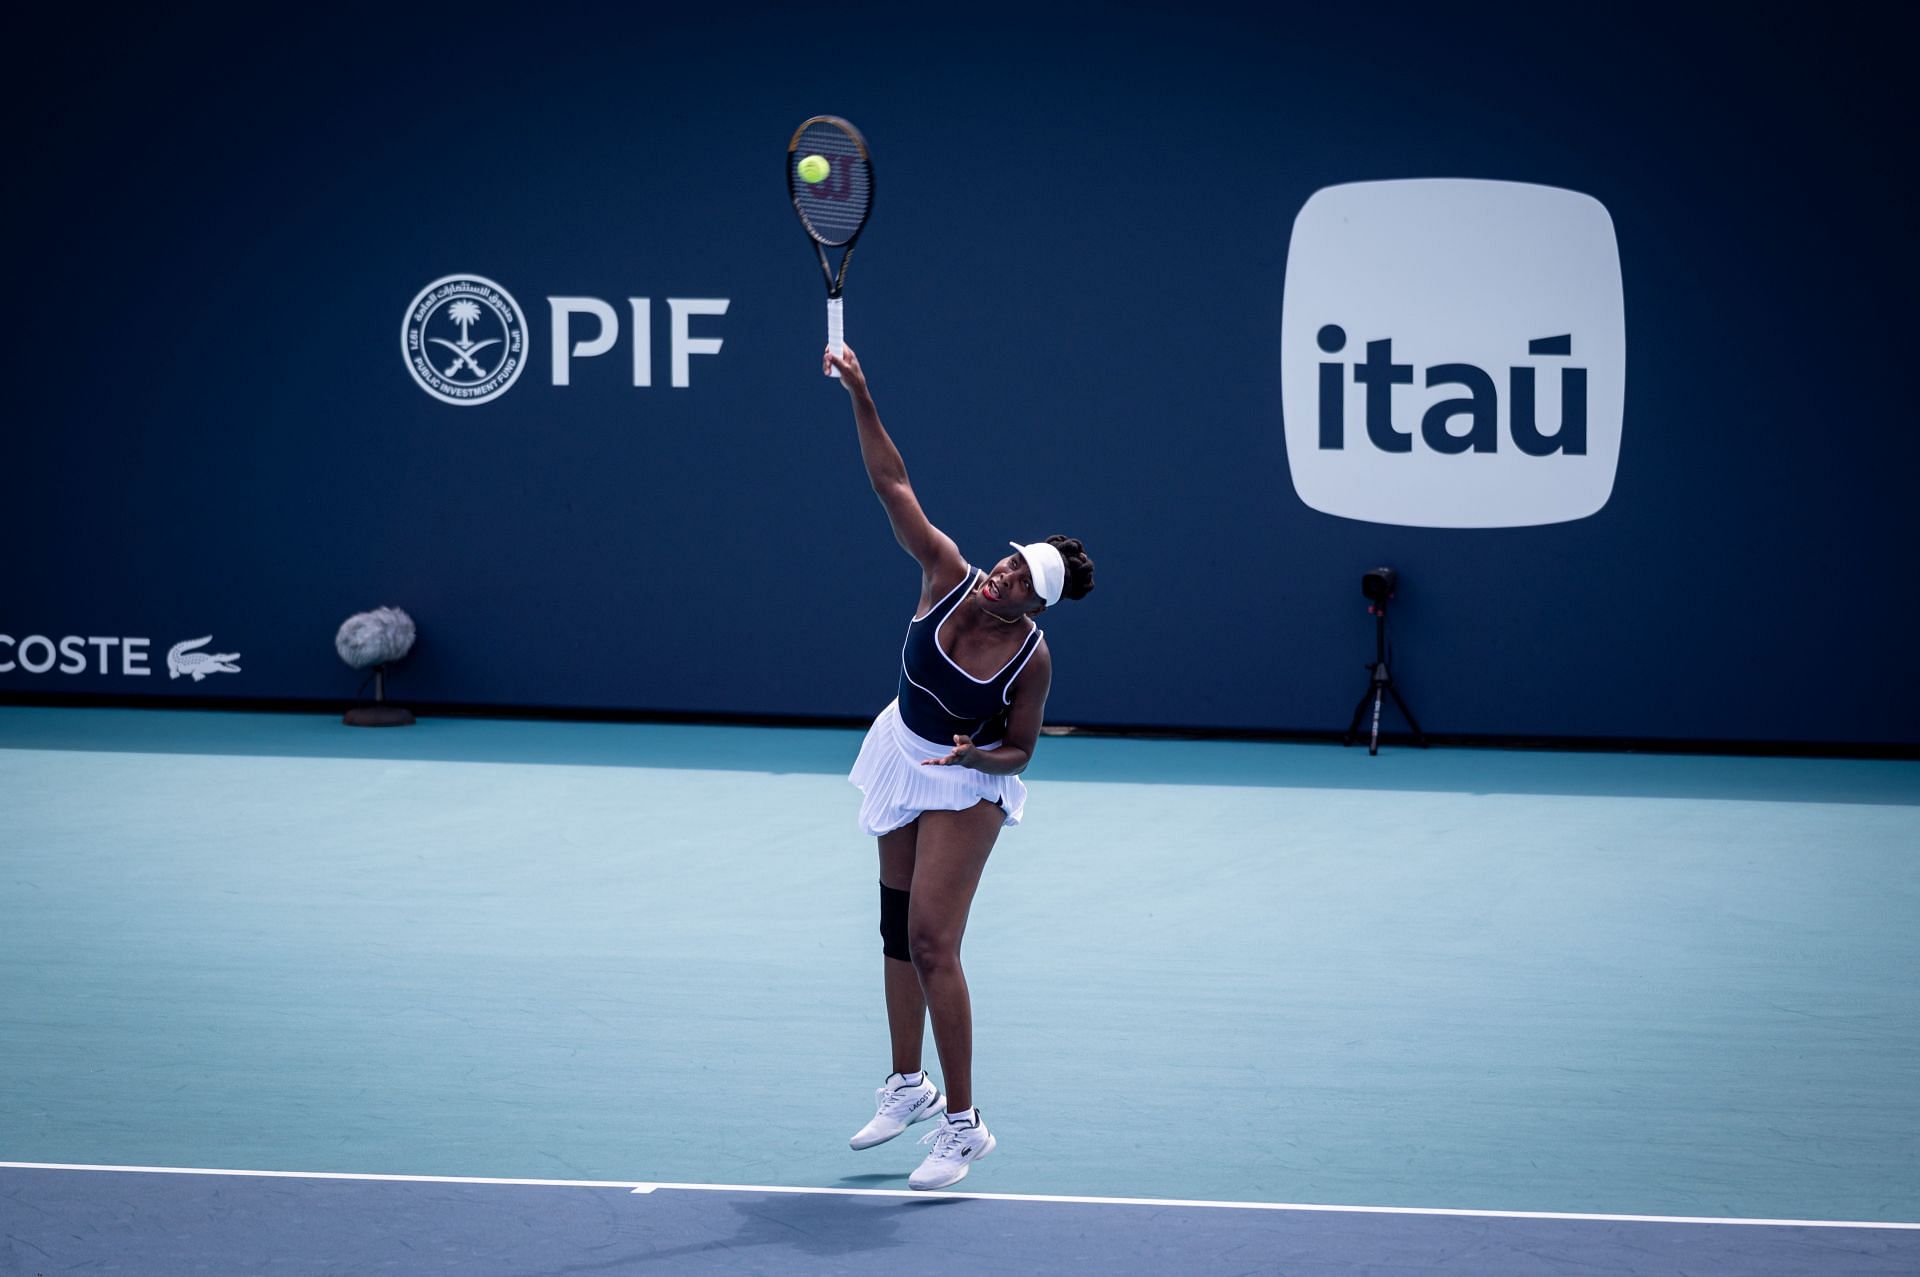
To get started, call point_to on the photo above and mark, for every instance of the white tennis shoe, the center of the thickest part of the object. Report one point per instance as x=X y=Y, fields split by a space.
x=900 y=1106
x=956 y=1146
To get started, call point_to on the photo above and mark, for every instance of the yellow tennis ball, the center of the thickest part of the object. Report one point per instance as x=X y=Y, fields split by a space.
x=815 y=169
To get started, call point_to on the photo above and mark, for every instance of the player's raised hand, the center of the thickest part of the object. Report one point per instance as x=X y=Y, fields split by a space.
x=848 y=363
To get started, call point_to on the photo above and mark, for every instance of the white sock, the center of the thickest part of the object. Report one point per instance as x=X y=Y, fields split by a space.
x=912 y=1079
x=971 y=1116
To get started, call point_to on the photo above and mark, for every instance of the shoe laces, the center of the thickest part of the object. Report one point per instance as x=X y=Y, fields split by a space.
x=895 y=1102
x=946 y=1138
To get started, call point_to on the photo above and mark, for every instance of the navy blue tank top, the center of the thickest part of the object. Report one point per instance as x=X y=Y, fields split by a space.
x=938 y=699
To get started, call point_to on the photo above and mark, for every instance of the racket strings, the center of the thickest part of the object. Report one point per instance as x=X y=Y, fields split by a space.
x=834 y=209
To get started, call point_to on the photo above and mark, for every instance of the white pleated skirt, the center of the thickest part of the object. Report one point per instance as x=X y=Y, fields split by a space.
x=897 y=787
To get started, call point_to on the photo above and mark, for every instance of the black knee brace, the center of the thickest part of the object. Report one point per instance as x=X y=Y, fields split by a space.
x=893 y=923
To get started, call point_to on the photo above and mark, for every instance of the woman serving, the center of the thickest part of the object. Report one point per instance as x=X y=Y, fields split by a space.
x=940 y=774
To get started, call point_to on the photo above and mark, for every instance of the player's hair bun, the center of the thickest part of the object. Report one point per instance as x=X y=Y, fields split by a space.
x=1079 y=567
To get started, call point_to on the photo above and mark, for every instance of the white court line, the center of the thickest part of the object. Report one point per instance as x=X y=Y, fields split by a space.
x=644 y=1186
x=1287 y=1206
x=398 y=1179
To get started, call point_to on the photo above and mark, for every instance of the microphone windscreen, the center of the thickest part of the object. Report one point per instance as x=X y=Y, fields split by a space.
x=374 y=638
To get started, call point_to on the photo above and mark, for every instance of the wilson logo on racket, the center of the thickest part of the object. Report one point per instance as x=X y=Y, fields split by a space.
x=838 y=186
x=1453 y=353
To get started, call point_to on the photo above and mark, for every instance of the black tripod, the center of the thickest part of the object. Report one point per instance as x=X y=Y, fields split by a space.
x=1380 y=686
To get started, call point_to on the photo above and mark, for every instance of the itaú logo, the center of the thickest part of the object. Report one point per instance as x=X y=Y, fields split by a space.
x=1453 y=353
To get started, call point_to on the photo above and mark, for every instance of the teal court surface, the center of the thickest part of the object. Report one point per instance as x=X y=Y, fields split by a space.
x=529 y=997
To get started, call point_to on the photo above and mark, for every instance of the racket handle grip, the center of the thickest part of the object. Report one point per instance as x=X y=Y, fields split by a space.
x=836 y=332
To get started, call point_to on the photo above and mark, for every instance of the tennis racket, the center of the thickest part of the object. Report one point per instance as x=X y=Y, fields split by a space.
x=834 y=205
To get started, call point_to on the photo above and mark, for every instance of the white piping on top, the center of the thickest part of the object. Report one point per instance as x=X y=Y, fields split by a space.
x=1007 y=691
x=965 y=580
x=908 y=675
x=956 y=665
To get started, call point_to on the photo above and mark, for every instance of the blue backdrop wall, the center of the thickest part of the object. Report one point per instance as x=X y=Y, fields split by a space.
x=1070 y=305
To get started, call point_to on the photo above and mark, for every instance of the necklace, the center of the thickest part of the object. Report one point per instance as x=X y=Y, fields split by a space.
x=1015 y=621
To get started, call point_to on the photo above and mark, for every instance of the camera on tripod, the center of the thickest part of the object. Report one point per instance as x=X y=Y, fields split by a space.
x=1378 y=585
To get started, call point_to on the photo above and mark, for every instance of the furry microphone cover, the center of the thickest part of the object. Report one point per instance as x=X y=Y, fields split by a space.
x=374 y=638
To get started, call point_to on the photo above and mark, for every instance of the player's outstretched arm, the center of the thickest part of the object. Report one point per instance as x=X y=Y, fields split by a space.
x=933 y=549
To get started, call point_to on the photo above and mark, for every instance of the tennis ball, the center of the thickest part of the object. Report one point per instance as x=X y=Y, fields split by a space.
x=815 y=168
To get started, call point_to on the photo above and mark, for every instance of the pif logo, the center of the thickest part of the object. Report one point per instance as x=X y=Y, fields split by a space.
x=1453 y=353
x=464 y=339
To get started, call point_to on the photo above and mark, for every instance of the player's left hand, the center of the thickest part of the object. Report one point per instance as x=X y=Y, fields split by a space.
x=962 y=755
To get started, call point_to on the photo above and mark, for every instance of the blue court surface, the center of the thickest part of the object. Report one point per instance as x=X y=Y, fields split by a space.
x=149 y=1222
x=280 y=995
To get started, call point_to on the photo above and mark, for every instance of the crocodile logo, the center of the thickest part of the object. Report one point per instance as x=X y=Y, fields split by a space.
x=183 y=659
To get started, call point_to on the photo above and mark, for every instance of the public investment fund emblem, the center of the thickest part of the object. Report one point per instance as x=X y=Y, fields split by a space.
x=464 y=339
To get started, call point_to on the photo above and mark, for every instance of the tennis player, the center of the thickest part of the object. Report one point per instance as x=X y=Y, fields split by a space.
x=940 y=771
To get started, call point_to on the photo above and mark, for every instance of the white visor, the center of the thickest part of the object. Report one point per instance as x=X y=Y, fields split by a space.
x=1049 y=569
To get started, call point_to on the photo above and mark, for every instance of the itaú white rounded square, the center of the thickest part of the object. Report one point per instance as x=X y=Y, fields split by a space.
x=1453 y=353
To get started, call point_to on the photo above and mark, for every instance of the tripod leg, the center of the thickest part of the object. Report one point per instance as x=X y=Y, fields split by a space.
x=1373 y=746
x=1353 y=727
x=1419 y=737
